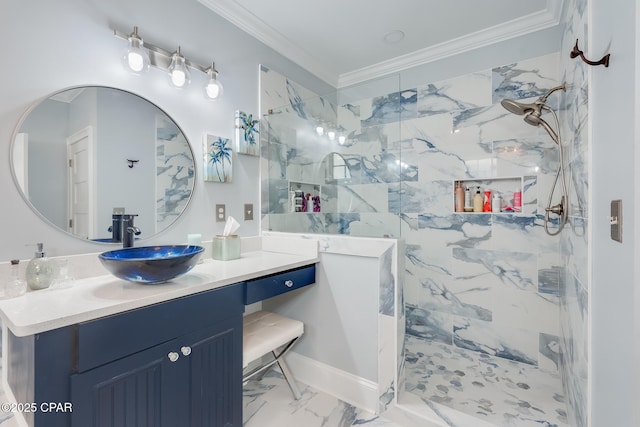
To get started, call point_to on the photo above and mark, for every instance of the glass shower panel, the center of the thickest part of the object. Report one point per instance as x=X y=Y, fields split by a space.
x=333 y=164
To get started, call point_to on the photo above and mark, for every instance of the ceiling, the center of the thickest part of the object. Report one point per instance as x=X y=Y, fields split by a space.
x=345 y=42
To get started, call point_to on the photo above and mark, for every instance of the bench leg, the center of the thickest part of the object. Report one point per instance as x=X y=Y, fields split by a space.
x=287 y=376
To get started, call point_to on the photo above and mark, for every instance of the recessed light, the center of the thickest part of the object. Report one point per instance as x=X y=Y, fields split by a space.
x=394 y=36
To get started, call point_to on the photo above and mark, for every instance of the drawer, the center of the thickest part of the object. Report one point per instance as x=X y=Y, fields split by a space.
x=110 y=338
x=279 y=283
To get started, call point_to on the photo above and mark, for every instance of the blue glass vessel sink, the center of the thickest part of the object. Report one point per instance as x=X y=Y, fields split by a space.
x=151 y=264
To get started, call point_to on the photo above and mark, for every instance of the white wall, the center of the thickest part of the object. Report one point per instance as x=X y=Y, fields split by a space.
x=614 y=363
x=54 y=45
x=340 y=313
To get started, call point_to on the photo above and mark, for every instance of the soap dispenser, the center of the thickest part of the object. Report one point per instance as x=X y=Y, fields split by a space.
x=41 y=270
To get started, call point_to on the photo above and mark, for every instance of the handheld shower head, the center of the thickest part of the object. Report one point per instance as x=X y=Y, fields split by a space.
x=533 y=115
x=534 y=119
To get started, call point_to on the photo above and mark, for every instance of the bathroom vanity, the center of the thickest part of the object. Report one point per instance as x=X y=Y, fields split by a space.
x=110 y=352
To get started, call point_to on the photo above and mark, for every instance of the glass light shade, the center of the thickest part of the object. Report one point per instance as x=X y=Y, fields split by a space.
x=320 y=130
x=135 y=58
x=179 y=75
x=342 y=139
x=213 y=89
x=332 y=135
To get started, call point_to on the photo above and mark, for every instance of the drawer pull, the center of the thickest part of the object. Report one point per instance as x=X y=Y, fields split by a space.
x=186 y=350
x=173 y=356
x=288 y=283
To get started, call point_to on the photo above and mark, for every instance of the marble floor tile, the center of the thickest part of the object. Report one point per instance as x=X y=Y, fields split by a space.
x=269 y=403
x=499 y=391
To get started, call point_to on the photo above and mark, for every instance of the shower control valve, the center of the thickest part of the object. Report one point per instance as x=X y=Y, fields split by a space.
x=557 y=209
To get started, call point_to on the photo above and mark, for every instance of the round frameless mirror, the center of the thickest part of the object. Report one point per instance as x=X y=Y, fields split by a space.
x=84 y=155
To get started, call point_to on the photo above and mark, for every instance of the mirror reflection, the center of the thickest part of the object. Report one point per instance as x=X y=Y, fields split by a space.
x=335 y=169
x=86 y=154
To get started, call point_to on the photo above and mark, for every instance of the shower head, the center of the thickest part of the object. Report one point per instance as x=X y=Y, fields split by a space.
x=532 y=112
x=521 y=108
x=516 y=107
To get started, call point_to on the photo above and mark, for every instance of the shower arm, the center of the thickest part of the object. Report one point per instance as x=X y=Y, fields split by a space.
x=543 y=99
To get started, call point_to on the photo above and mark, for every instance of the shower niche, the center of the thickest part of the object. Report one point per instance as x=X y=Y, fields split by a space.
x=304 y=197
x=509 y=190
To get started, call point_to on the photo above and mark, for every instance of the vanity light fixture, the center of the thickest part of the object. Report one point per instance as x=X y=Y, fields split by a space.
x=213 y=89
x=179 y=75
x=135 y=57
x=139 y=55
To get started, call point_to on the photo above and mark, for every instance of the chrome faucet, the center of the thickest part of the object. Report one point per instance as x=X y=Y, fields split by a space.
x=129 y=231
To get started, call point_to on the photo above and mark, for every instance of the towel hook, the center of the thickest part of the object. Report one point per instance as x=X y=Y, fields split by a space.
x=577 y=52
x=132 y=162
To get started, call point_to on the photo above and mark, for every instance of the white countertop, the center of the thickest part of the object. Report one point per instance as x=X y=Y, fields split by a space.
x=105 y=295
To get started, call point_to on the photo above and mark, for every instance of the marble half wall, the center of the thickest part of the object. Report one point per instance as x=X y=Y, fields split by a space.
x=351 y=317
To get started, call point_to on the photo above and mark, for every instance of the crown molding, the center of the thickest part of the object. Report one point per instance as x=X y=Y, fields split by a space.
x=518 y=27
x=253 y=25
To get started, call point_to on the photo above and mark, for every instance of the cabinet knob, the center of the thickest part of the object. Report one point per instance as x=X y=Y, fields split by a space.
x=173 y=356
x=186 y=350
x=288 y=283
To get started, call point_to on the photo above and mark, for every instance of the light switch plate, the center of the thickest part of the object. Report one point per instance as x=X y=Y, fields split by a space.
x=248 y=211
x=221 y=213
x=616 y=220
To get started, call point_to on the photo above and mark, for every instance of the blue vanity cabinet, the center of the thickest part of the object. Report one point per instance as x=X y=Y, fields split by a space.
x=189 y=381
x=175 y=363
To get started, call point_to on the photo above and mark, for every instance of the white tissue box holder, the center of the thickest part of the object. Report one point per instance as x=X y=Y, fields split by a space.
x=225 y=248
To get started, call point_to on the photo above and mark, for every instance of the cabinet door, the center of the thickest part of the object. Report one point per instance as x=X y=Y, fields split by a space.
x=136 y=391
x=213 y=375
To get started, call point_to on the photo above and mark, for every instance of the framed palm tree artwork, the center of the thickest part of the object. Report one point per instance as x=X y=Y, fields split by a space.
x=247 y=130
x=218 y=166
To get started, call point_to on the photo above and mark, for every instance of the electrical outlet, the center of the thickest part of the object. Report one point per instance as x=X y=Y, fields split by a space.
x=221 y=213
x=248 y=211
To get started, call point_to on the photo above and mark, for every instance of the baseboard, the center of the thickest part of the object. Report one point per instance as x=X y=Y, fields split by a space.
x=347 y=387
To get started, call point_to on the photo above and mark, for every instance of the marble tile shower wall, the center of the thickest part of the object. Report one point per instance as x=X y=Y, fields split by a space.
x=574 y=307
x=483 y=282
x=495 y=284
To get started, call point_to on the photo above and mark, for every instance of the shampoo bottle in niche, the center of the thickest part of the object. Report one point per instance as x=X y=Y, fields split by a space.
x=41 y=270
x=486 y=206
x=517 y=200
x=459 y=197
x=496 y=203
x=468 y=200
x=478 y=201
